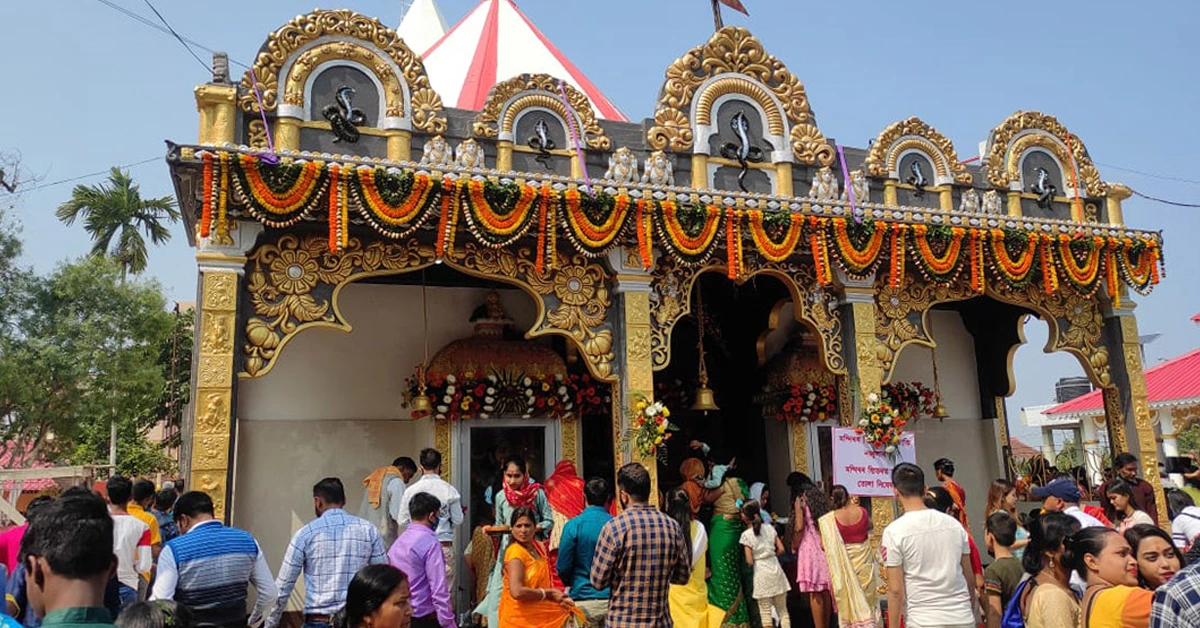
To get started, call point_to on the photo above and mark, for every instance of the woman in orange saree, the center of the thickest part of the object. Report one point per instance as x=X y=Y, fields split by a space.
x=528 y=600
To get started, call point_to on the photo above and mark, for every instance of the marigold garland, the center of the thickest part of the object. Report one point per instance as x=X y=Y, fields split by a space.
x=733 y=243
x=692 y=249
x=859 y=261
x=771 y=250
x=897 y=260
x=1112 y=281
x=1016 y=271
x=590 y=237
x=223 y=200
x=544 y=221
x=978 y=279
x=451 y=195
x=335 y=212
x=1144 y=274
x=206 y=201
x=644 y=233
x=407 y=210
x=1049 y=276
x=942 y=267
x=491 y=227
x=1082 y=275
x=820 y=249
x=290 y=199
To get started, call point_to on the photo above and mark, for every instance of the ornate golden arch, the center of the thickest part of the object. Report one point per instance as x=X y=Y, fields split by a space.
x=381 y=67
x=733 y=50
x=1076 y=323
x=671 y=286
x=356 y=34
x=1032 y=129
x=499 y=114
x=294 y=283
x=913 y=133
x=746 y=87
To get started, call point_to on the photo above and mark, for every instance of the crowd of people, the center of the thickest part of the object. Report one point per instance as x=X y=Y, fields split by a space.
x=571 y=552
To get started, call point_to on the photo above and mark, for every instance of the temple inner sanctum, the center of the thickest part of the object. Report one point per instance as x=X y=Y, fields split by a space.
x=392 y=259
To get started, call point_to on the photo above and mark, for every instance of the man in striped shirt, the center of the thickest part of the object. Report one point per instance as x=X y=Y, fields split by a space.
x=209 y=567
x=330 y=550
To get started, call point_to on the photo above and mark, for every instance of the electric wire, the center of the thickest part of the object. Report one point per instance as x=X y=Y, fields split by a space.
x=84 y=176
x=177 y=37
x=158 y=27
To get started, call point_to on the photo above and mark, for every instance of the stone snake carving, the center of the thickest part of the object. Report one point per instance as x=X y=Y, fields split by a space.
x=542 y=143
x=343 y=118
x=1043 y=187
x=743 y=151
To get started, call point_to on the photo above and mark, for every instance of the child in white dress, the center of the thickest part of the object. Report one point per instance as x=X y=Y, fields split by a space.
x=762 y=546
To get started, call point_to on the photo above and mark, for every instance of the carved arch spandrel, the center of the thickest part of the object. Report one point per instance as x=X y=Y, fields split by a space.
x=424 y=105
x=509 y=98
x=884 y=157
x=1076 y=324
x=671 y=287
x=293 y=284
x=735 y=52
x=1024 y=130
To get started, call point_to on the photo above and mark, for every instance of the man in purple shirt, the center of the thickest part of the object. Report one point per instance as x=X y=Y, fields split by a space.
x=418 y=554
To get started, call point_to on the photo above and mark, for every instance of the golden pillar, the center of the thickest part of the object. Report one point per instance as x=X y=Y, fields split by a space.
x=858 y=303
x=890 y=197
x=783 y=180
x=504 y=155
x=217 y=105
x=633 y=344
x=287 y=133
x=699 y=171
x=1135 y=403
x=1116 y=194
x=1014 y=203
x=946 y=197
x=214 y=381
x=399 y=145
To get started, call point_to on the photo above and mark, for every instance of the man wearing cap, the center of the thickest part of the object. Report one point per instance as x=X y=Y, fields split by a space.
x=1062 y=495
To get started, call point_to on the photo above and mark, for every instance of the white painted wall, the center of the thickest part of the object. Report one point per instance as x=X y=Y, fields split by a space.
x=331 y=404
x=964 y=438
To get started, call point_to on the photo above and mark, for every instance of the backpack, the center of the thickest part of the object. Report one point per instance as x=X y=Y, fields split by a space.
x=1012 y=617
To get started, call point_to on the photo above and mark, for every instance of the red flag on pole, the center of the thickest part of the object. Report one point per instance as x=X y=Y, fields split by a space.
x=736 y=5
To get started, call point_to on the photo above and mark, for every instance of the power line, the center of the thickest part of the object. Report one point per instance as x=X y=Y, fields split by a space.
x=1151 y=174
x=176 y=35
x=1164 y=201
x=85 y=176
x=158 y=27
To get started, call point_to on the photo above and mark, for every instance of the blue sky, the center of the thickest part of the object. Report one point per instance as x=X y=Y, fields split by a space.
x=88 y=88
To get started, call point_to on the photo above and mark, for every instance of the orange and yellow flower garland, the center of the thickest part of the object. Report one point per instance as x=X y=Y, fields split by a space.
x=545 y=223
x=820 y=249
x=448 y=220
x=299 y=194
x=769 y=249
x=858 y=261
x=335 y=211
x=403 y=213
x=1082 y=275
x=222 y=225
x=978 y=279
x=594 y=238
x=1017 y=270
x=644 y=233
x=493 y=228
x=733 y=243
x=1049 y=276
x=692 y=249
x=897 y=260
x=944 y=267
x=206 y=199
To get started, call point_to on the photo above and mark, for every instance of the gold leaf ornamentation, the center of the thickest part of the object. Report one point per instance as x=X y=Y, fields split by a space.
x=734 y=51
x=509 y=98
x=884 y=156
x=1013 y=137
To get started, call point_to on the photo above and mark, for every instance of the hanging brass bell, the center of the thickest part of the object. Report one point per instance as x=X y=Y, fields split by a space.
x=940 y=412
x=421 y=404
x=705 y=399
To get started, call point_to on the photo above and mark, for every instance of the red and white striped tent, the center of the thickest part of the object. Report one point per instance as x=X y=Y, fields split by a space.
x=493 y=43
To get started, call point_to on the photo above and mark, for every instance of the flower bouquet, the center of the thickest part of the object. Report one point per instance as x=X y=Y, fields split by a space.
x=809 y=402
x=912 y=399
x=881 y=424
x=649 y=428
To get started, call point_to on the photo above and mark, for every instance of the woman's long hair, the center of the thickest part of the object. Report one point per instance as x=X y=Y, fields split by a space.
x=999 y=489
x=1046 y=534
x=369 y=589
x=679 y=507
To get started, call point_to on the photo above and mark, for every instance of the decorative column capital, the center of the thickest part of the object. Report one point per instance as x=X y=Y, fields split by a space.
x=629 y=274
x=228 y=251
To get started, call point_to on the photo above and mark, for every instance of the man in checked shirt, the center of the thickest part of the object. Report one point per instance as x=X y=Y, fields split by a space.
x=330 y=550
x=639 y=555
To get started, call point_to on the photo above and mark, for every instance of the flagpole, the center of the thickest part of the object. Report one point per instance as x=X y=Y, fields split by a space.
x=716 y=7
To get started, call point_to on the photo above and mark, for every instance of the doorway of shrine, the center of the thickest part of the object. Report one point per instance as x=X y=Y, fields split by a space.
x=750 y=343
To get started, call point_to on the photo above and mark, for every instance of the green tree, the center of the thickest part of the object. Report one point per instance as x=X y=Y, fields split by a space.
x=83 y=355
x=115 y=210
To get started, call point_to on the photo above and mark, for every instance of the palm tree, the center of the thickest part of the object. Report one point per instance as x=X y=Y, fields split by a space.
x=115 y=210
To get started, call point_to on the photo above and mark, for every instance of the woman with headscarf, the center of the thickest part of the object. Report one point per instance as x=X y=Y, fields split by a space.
x=761 y=494
x=692 y=472
x=564 y=492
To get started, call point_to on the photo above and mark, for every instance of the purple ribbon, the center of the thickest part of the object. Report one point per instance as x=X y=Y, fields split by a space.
x=854 y=210
x=562 y=91
x=269 y=158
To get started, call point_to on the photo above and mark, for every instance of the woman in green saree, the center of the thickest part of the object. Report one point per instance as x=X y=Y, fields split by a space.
x=728 y=560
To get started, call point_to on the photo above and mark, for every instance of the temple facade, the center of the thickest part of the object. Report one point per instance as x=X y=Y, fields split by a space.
x=381 y=272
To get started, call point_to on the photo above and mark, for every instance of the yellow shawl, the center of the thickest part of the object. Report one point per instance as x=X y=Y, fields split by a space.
x=853 y=590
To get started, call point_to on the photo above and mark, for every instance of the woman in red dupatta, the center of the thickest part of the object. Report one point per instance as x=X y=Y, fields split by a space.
x=564 y=491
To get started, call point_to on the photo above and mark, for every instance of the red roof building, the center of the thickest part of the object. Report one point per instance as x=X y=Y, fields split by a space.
x=1175 y=382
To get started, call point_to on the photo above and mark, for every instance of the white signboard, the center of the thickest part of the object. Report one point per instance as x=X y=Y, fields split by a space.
x=862 y=469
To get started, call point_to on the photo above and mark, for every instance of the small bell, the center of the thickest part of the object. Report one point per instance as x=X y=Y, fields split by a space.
x=940 y=412
x=420 y=404
x=705 y=399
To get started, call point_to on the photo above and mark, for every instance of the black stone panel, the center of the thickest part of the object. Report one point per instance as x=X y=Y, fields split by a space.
x=756 y=181
x=726 y=135
x=322 y=141
x=329 y=81
x=526 y=129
